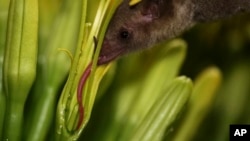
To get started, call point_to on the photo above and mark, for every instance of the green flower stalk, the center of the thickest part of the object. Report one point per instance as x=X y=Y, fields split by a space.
x=160 y=73
x=205 y=87
x=3 y=24
x=164 y=111
x=53 y=67
x=233 y=99
x=20 y=60
x=74 y=108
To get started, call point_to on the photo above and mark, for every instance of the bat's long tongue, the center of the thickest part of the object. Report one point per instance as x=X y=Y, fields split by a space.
x=81 y=84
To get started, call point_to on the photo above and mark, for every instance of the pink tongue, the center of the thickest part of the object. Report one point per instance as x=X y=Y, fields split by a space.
x=81 y=84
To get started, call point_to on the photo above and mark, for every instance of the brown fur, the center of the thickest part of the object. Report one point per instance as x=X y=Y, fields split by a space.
x=153 y=21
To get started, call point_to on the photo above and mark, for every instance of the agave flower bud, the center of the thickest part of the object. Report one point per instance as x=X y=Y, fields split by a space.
x=20 y=61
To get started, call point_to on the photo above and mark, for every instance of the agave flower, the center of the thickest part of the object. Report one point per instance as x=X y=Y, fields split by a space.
x=52 y=89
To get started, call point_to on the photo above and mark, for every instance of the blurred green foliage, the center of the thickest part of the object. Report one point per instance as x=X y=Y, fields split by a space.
x=225 y=44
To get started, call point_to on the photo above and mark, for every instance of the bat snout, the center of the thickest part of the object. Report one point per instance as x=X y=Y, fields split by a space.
x=109 y=53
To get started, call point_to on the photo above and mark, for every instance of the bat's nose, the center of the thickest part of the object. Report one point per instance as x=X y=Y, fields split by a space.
x=109 y=52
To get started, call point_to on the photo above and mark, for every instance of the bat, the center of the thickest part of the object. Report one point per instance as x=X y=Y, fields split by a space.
x=150 y=22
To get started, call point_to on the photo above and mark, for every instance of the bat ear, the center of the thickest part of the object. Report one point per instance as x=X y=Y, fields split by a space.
x=151 y=9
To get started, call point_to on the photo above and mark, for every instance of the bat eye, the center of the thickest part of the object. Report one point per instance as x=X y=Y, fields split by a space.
x=124 y=34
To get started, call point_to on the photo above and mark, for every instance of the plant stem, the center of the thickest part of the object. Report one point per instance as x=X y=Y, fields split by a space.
x=13 y=121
